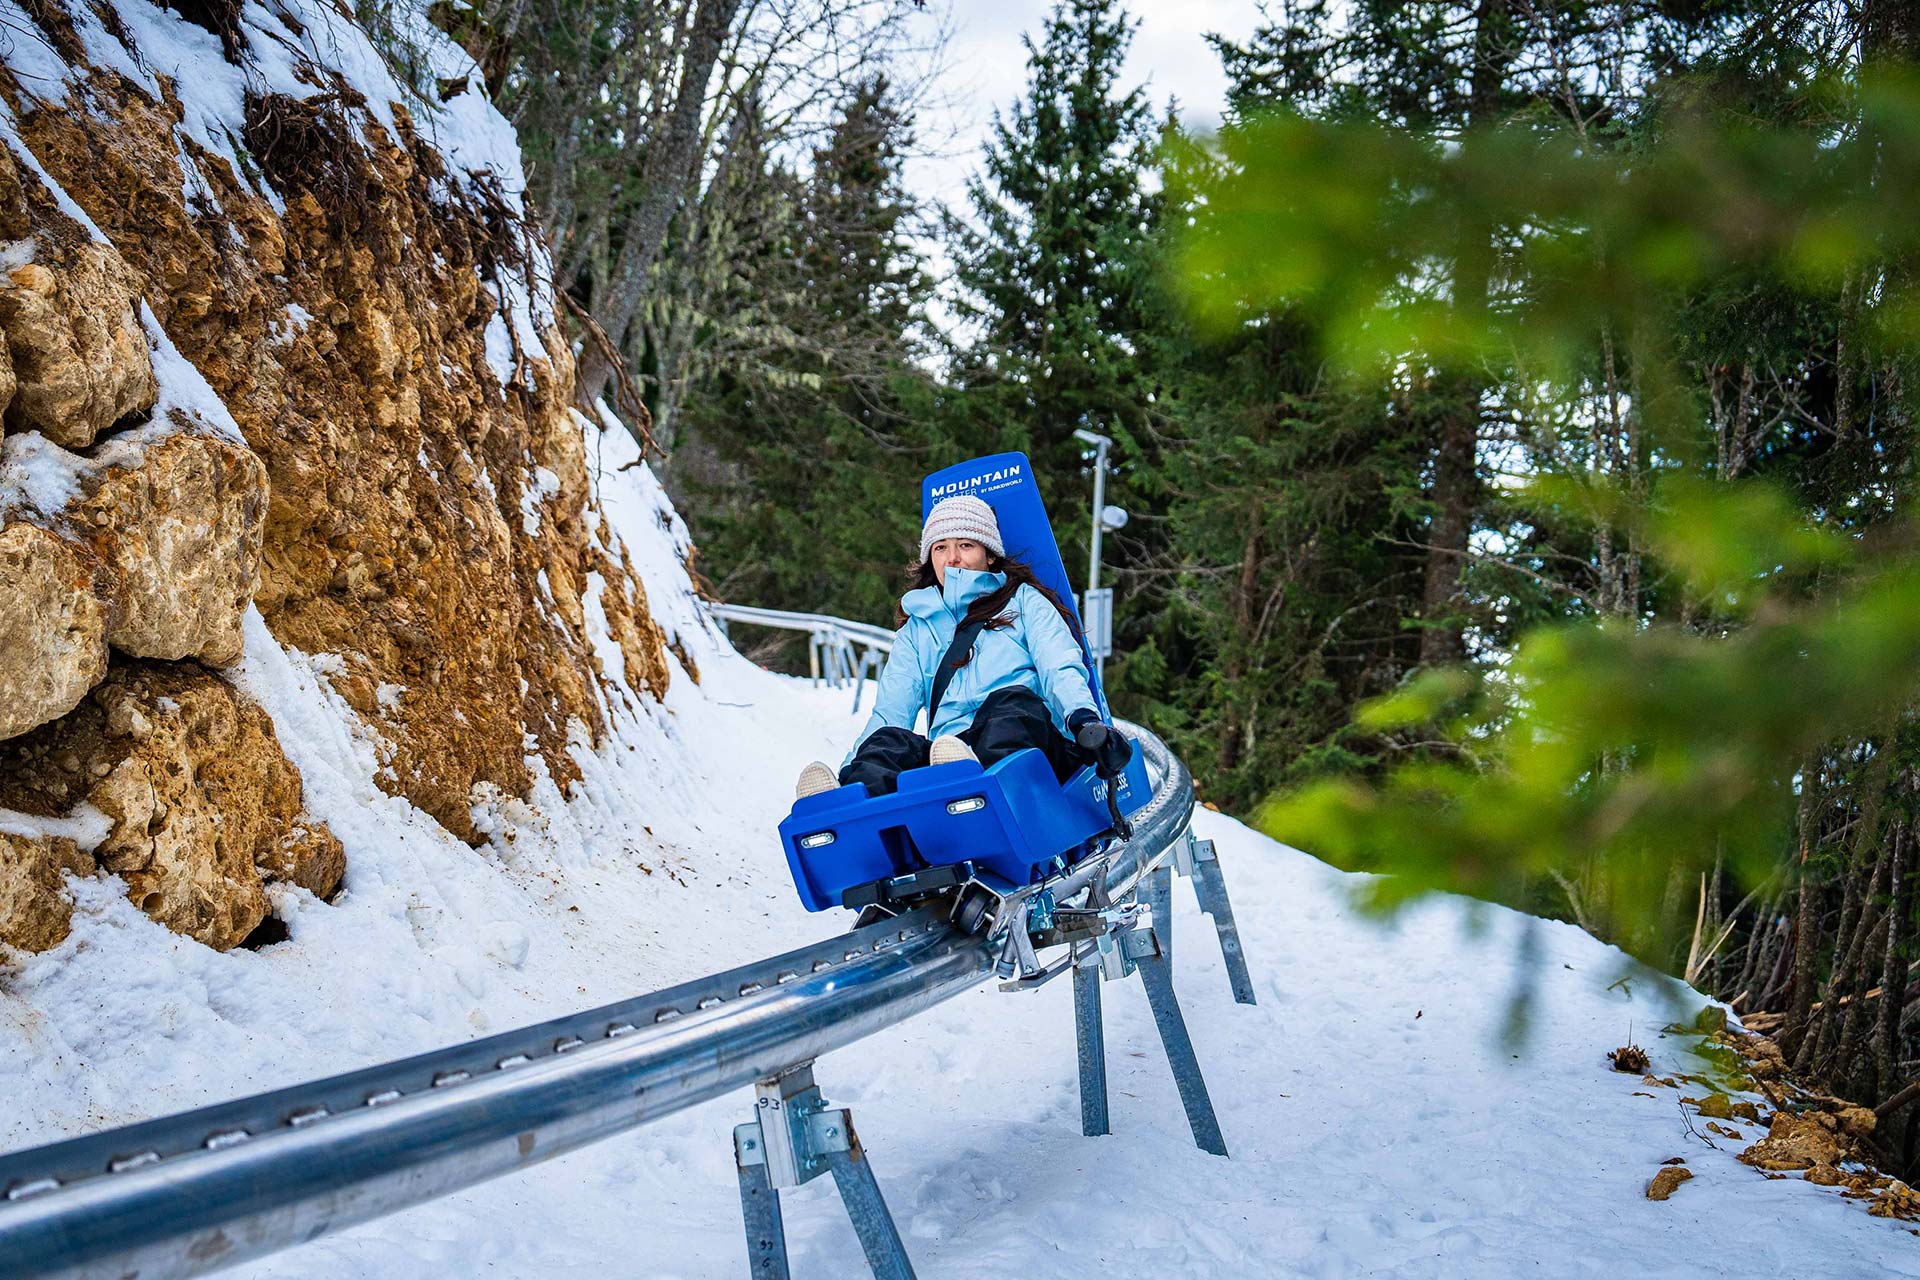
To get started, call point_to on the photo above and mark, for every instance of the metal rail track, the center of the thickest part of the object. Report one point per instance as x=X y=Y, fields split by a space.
x=187 y=1194
x=838 y=651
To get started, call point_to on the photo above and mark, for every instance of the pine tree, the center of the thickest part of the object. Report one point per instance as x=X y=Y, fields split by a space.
x=1293 y=498
x=802 y=464
x=1453 y=73
x=1052 y=269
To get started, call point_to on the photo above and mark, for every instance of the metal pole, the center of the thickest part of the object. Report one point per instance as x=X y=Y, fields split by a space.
x=1100 y=445
x=879 y=1238
x=1099 y=506
x=1156 y=975
x=766 y=1233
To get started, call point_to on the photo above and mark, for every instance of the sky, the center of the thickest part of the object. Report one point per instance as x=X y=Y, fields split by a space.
x=985 y=68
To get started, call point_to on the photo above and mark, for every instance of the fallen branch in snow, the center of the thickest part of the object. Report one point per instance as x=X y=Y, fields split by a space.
x=626 y=397
x=1688 y=1121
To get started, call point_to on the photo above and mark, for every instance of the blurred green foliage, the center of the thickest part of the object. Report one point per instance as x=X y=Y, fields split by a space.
x=1633 y=748
x=1341 y=218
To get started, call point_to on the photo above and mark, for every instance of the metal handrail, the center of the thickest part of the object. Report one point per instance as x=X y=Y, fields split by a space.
x=187 y=1194
x=866 y=632
x=837 y=650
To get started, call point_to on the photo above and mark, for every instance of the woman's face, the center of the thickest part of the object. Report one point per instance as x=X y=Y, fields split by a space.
x=956 y=553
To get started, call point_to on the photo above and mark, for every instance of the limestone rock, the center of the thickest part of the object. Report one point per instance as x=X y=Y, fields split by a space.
x=1796 y=1142
x=35 y=912
x=8 y=383
x=1666 y=1180
x=1897 y=1201
x=181 y=530
x=1764 y=1059
x=205 y=808
x=1856 y=1122
x=16 y=223
x=1715 y=1105
x=52 y=629
x=79 y=354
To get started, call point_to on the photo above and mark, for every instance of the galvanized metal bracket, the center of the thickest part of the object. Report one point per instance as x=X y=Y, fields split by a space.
x=1197 y=860
x=793 y=1138
x=1156 y=975
x=1121 y=951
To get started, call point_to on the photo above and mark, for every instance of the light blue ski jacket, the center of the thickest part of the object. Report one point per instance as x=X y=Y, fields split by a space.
x=1037 y=652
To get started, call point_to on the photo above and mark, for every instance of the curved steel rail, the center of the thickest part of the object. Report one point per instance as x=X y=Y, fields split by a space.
x=186 y=1194
x=866 y=633
x=838 y=651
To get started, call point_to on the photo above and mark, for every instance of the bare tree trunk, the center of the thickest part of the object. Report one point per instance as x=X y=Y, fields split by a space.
x=1755 y=951
x=1890 y=29
x=1762 y=938
x=1893 y=974
x=1454 y=468
x=1806 y=929
x=1456 y=451
x=1861 y=879
x=1853 y=1067
x=673 y=157
x=1232 y=731
x=1847 y=987
x=1780 y=973
x=1711 y=918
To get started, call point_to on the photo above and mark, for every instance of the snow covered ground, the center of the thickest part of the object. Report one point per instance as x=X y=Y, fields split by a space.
x=1379 y=1123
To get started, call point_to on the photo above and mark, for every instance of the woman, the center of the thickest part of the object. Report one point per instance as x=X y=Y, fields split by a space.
x=1016 y=680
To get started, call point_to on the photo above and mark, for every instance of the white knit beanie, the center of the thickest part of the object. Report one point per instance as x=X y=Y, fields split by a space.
x=961 y=516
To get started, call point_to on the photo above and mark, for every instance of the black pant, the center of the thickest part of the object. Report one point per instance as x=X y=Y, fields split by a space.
x=1008 y=721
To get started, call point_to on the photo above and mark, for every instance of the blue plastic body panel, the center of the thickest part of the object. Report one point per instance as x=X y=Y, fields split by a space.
x=1027 y=819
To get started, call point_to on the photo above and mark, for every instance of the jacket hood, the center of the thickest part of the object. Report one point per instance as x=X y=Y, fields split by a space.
x=963 y=587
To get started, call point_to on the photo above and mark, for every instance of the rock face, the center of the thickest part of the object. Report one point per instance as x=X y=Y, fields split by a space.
x=78 y=354
x=430 y=514
x=154 y=551
x=53 y=631
x=204 y=807
x=34 y=911
x=263 y=343
x=180 y=529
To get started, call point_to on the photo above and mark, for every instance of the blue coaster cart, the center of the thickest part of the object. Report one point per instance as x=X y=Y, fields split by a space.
x=1003 y=827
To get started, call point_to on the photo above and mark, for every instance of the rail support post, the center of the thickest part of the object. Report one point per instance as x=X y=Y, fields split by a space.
x=1151 y=950
x=793 y=1139
x=1091 y=1041
x=1196 y=859
x=1118 y=953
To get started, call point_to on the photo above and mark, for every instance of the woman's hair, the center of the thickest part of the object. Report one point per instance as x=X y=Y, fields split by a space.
x=989 y=607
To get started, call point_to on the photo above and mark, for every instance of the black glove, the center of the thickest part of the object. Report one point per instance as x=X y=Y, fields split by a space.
x=1108 y=746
